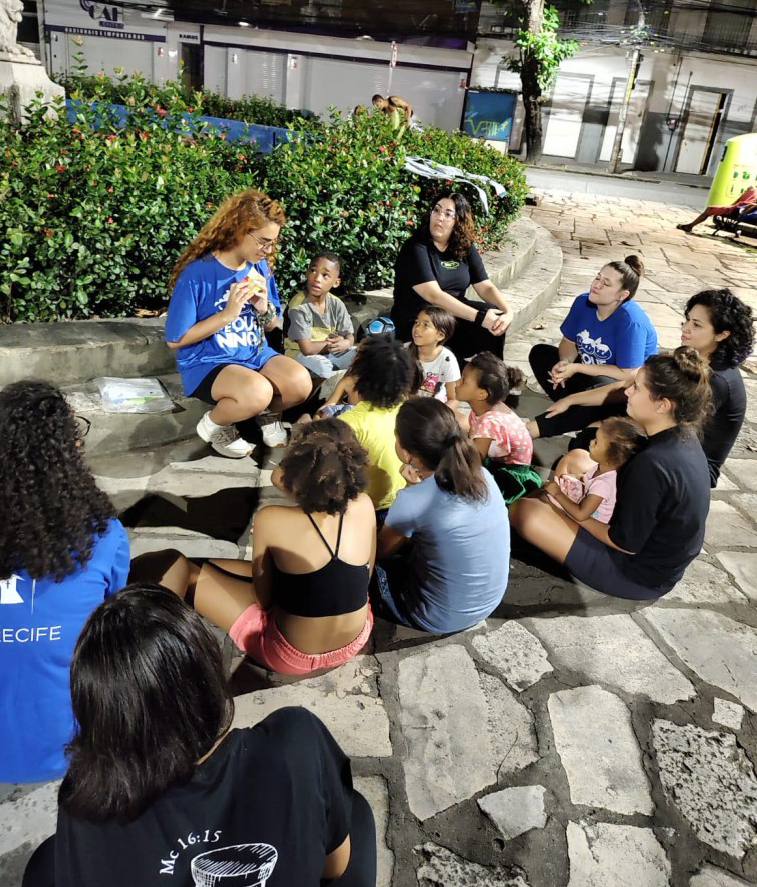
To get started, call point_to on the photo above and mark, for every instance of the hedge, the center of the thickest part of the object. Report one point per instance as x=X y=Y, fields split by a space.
x=92 y=218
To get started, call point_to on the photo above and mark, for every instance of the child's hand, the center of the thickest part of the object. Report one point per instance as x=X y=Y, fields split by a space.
x=551 y=487
x=336 y=344
x=238 y=296
x=410 y=475
x=463 y=421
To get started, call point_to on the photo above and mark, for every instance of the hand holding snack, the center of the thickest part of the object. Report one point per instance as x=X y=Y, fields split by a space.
x=238 y=296
x=257 y=291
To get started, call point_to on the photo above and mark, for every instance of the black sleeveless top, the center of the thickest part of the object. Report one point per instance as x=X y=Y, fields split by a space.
x=334 y=590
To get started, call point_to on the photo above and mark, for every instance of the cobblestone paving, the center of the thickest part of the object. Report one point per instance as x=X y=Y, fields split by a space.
x=571 y=740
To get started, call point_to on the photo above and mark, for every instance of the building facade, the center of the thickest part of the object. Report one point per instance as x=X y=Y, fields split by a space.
x=696 y=84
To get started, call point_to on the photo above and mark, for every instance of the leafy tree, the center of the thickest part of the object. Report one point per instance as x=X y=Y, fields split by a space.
x=540 y=52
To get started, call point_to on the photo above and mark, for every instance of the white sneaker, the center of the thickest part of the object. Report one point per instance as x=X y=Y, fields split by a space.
x=224 y=439
x=274 y=434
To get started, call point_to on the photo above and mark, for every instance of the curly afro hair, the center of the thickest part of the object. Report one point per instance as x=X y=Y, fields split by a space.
x=325 y=467
x=727 y=313
x=52 y=509
x=384 y=371
x=463 y=232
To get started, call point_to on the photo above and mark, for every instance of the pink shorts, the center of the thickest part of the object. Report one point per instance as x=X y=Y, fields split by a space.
x=255 y=632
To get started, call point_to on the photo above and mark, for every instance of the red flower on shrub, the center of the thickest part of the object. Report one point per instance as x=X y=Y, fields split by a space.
x=110 y=190
x=49 y=232
x=110 y=220
x=59 y=167
x=160 y=112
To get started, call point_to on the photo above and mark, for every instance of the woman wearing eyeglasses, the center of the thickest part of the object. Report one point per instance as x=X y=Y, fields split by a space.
x=62 y=552
x=435 y=267
x=223 y=302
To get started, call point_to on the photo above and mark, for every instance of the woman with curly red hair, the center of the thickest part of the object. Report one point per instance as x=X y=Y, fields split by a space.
x=223 y=302
x=62 y=552
x=435 y=267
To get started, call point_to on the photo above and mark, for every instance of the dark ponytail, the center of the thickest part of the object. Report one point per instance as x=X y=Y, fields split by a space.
x=426 y=428
x=682 y=377
x=631 y=270
x=495 y=377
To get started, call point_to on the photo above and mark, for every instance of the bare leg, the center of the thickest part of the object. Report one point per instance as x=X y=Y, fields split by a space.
x=220 y=596
x=291 y=383
x=538 y=523
x=241 y=393
x=167 y=568
x=697 y=221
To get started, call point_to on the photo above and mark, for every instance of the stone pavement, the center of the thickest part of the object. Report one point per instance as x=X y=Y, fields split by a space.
x=571 y=740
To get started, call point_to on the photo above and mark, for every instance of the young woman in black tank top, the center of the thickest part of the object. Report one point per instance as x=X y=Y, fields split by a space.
x=306 y=607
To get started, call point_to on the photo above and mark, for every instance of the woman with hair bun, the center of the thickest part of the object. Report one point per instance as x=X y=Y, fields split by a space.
x=721 y=329
x=606 y=338
x=663 y=493
x=435 y=266
x=451 y=522
x=302 y=604
x=223 y=302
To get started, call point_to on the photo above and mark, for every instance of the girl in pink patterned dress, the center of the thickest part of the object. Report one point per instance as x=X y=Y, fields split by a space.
x=498 y=433
x=617 y=439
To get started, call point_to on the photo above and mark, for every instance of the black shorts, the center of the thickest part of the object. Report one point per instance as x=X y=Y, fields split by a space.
x=202 y=392
x=590 y=562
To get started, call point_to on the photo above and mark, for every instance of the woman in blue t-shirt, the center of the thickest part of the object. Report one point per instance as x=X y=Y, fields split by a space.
x=445 y=545
x=223 y=302
x=62 y=552
x=606 y=338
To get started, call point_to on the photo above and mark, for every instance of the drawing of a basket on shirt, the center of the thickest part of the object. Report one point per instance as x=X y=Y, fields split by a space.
x=241 y=865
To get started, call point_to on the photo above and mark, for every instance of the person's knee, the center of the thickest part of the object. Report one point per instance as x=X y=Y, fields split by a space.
x=254 y=397
x=575 y=462
x=296 y=386
x=168 y=568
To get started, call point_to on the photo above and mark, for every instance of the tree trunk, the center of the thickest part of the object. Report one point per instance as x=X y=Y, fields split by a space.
x=532 y=108
x=534 y=17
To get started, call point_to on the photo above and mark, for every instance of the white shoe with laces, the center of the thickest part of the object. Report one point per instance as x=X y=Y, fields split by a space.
x=225 y=439
x=274 y=434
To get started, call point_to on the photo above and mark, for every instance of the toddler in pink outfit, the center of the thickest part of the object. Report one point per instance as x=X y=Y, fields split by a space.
x=593 y=495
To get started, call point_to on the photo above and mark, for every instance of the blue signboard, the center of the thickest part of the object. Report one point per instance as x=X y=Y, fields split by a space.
x=489 y=115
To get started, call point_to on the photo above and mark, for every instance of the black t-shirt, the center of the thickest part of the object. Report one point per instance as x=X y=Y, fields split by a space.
x=420 y=262
x=721 y=431
x=662 y=505
x=275 y=797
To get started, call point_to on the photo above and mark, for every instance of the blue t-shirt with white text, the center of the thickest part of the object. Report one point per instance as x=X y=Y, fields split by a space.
x=40 y=623
x=625 y=339
x=202 y=290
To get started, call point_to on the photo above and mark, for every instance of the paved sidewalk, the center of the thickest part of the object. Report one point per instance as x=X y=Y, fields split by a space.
x=572 y=740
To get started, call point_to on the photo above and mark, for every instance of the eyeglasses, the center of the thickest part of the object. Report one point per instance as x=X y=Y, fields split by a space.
x=443 y=213
x=83 y=425
x=265 y=244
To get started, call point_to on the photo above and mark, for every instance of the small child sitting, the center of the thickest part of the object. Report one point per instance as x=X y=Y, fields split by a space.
x=382 y=373
x=593 y=495
x=319 y=331
x=432 y=328
x=498 y=433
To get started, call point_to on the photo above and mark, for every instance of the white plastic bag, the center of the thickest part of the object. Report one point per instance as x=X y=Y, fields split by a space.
x=133 y=395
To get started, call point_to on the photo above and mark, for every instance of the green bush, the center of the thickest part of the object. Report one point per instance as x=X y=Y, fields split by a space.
x=91 y=220
x=93 y=217
x=133 y=90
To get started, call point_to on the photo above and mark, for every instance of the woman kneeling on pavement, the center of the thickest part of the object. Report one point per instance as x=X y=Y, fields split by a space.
x=223 y=302
x=302 y=604
x=606 y=338
x=160 y=789
x=663 y=495
x=445 y=546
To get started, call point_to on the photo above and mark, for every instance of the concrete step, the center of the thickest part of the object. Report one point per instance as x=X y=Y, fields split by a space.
x=113 y=433
x=71 y=352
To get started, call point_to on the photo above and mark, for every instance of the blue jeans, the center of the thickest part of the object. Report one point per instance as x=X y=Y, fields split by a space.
x=324 y=365
x=385 y=593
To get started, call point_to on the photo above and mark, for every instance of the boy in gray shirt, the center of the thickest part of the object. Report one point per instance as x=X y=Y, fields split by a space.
x=320 y=334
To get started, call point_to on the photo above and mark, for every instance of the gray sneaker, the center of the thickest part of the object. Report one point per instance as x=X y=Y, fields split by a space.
x=274 y=434
x=225 y=439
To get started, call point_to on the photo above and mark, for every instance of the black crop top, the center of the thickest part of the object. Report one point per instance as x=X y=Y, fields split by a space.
x=333 y=590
